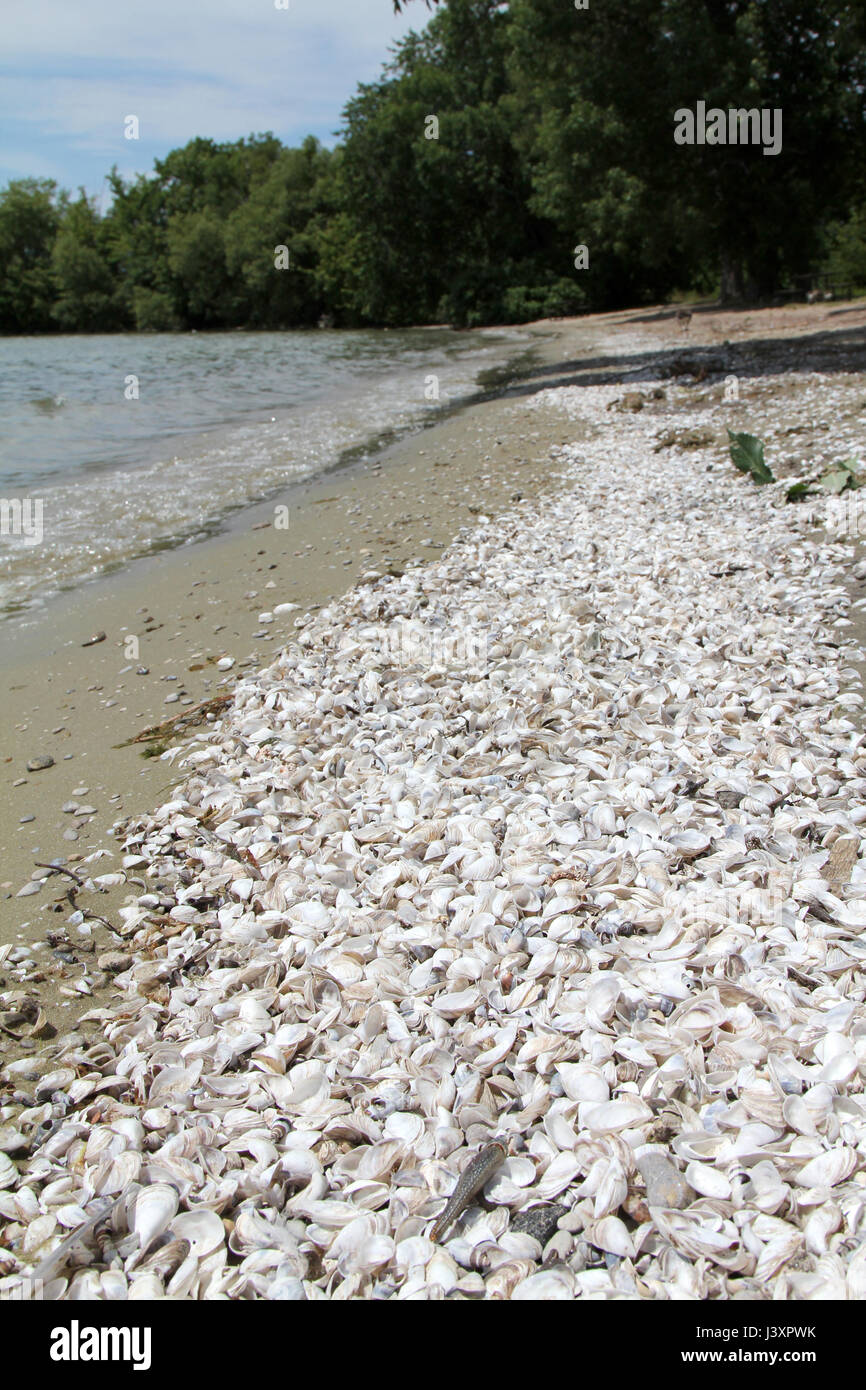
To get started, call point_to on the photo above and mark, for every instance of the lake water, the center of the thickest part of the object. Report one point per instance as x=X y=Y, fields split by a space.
x=114 y=446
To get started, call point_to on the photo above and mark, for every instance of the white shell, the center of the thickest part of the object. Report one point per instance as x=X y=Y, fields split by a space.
x=533 y=844
x=154 y=1209
x=827 y=1169
x=612 y=1235
x=615 y=1115
x=8 y=1171
x=203 y=1229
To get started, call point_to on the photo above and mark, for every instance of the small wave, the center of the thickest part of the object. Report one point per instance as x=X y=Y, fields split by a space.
x=124 y=495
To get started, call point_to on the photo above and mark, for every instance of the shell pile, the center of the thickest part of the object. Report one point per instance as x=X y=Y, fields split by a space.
x=552 y=841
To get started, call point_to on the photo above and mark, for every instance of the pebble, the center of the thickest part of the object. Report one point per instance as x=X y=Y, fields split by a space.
x=40 y=762
x=114 y=961
x=665 y=1184
x=539 y=1221
x=25 y=820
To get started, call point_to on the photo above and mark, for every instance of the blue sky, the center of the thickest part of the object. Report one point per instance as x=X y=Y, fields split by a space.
x=71 y=71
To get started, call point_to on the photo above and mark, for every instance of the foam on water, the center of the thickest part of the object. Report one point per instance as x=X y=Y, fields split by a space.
x=220 y=421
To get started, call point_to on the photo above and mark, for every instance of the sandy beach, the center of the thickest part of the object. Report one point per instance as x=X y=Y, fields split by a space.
x=617 y=433
x=81 y=704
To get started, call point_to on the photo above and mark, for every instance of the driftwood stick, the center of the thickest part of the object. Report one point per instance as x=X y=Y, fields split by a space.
x=58 y=869
x=195 y=715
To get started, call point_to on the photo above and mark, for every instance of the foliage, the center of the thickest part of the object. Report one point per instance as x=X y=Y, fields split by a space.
x=496 y=141
x=747 y=454
x=84 y=273
x=29 y=220
x=846 y=249
x=841 y=478
x=797 y=491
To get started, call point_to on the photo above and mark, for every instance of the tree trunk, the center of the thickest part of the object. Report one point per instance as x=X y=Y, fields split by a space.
x=732 y=279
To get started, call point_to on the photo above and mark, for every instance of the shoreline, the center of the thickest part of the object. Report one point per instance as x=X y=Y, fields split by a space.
x=192 y=606
x=189 y=607
x=583 y=900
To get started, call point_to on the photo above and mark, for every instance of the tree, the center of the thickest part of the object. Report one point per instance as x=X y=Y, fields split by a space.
x=85 y=278
x=170 y=230
x=286 y=208
x=137 y=234
x=599 y=89
x=29 y=219
x=434 y=198
x=495 y=145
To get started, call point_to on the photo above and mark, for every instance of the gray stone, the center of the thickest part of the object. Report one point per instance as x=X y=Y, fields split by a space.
x=113 y=962
x=40 y=762
x=539 y=1221
x=665 y=1184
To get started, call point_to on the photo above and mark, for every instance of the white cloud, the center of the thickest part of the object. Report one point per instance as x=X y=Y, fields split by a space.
x=208 y=33
x=219 y=68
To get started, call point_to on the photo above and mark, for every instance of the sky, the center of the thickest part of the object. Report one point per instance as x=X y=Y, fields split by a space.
x=71 y=74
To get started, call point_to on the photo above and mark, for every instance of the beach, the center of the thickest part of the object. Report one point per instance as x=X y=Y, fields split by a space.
x=466 y=859
x=190 y=608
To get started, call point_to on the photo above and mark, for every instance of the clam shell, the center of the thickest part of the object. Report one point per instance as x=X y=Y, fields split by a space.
x=153 y=1212
x=549 y=843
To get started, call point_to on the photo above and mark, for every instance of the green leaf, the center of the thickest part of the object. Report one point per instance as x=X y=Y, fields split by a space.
x=747 y=454
x=798 y=490
x=839 y=479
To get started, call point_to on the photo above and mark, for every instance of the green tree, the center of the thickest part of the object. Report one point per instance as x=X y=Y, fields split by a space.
x=137 y=233
x=598 y=90
x=169 y=232
x=29 y=219
x=86 y=282
x=287 y=207
x=846 y=250
x=435 y=221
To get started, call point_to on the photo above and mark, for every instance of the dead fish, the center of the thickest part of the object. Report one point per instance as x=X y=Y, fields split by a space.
x=472 y=1179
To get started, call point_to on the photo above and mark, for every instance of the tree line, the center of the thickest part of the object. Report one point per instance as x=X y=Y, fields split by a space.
x=512 y=161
